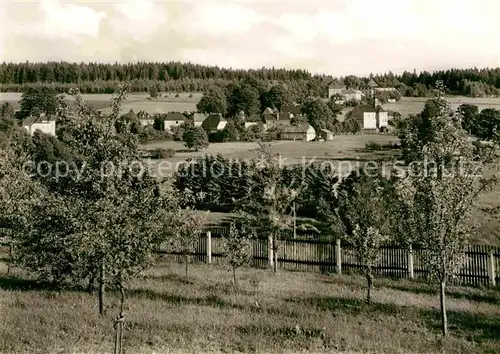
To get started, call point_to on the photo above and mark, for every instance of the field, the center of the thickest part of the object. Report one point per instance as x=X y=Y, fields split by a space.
x=288 y=312
x=338 y=152
x=414 y=105
x=135 y=101
x=139 y=101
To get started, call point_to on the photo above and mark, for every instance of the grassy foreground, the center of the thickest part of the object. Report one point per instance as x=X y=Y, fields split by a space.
x=283 y=313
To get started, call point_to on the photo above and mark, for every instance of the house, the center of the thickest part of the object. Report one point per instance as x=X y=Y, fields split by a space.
x=385 y=89
x=249 y=124
x=42 y=123
x=294 y=109
x=335 y=88
x=173 y=119
x=352 y=94
x=145 y=118
x=370 y=117
x=214 y=123
x=391 y=100
x=198 y=119
x=325 y=134
x=304 y=132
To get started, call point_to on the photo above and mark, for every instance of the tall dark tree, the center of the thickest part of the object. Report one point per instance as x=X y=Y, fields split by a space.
x=277 y=97
x=37 y=100
x=469 y=114
x=243 y=97
x=213 y=101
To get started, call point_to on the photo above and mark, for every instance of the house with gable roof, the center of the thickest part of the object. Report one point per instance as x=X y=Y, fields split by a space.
x=43 y=123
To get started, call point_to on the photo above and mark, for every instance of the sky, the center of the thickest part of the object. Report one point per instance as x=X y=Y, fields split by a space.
x=334 y=37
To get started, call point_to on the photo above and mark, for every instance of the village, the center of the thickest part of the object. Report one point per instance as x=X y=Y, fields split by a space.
x=290 y=120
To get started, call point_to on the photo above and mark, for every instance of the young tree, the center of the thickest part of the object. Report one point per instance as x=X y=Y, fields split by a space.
x=184 y=231
x=237 y=248
x=361 y=218
x=153 y=91
x=439 y=194
x=195 y=137
x=268 y=198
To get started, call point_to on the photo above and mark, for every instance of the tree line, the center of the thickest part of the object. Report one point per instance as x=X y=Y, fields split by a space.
x=176 y=76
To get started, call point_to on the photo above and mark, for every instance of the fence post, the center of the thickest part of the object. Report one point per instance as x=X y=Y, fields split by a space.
x=338 y=258
x=491 y=268
x=411 y=275
x=9 y=262
x=209 y=247
x=270 y=251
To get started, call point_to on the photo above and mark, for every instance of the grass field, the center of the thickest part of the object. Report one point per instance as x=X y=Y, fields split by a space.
x=414 y=105
x=139 y=101
x=288 y=312
x=135 y=101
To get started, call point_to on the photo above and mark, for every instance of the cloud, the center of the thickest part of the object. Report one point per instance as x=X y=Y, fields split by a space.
x=338 y=37
x=139 y=19
x=70 y=20
x=219 y=18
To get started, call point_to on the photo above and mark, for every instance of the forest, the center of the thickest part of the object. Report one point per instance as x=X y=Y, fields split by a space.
x=190 y=77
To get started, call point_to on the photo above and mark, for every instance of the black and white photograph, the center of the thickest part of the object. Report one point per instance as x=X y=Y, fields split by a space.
x=249 y=176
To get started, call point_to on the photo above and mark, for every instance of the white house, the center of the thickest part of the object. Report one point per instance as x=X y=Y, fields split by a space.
x=42 y=123
x=173 y=119
x=147 y=121
x=352 y=94
x=249 y=124
x=302 y=132
x=370 y=117
x=335 y=88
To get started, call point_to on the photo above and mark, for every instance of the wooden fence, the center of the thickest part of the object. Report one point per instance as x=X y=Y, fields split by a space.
x=308 y=253
x=481 y=268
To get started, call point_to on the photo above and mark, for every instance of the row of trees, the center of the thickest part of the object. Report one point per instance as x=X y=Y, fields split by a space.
x=176 y=76
x=223 y=183
x=485 y=125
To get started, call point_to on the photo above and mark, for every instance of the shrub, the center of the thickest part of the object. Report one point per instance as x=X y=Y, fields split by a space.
x=190 y=95
x=162 y=154
x=373 y=146
x=177 y=95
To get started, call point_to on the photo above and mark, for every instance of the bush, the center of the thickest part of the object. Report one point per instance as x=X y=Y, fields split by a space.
x=149 y=134
x=177 y=95
x=162 y=154
x=373 y=146
x=190 y=95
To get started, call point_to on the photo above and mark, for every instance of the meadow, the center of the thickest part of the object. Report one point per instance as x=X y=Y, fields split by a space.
x=136 y=101
x=168 y=102
x=287 y=312
x=414 y=105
